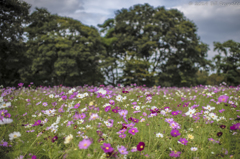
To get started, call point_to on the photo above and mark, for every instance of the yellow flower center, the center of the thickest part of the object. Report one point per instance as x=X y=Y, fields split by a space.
x=141 y=147
x=107 y=148
x=14 y=135
x=133 y=131
x=85 y=145
x=223 y=99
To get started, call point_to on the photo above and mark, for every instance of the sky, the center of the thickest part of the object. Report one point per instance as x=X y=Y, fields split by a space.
x=216 y=20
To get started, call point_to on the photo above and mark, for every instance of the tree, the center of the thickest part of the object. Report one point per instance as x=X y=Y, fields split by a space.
x=163 y=38
x=13 y=16
x=62 y=51
x=202 y=77
x=109 y=61
x=228 y=63
x=215 y=79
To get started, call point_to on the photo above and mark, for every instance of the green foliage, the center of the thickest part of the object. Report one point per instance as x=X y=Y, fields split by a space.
x=13 y=15
x=62 y=51
x=163 y=38
x=228 y=64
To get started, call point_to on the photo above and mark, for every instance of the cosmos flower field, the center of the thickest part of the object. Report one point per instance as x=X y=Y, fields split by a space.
x=130 y=122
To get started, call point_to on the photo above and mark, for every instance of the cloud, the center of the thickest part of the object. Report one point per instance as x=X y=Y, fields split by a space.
x=57 y=6
x=216 y=20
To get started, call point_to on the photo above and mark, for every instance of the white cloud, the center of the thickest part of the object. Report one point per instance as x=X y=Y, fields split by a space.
x=218 y=22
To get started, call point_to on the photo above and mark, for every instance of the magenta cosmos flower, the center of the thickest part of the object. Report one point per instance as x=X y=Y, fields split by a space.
x=174 y=113
x=223 y=98
x=64 y=97
x=84 y=144
x=20 y=84
x=107 y=148
x=183 y=141
x=175 y=133
x=133 y=131
x=37 y=123
x=140 y=146
x=115 y=110
x=175 y=154
x=111 y=102
x=107 y=108
x=54 y=138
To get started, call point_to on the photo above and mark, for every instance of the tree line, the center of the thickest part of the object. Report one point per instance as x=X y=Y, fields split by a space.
x=142 y=45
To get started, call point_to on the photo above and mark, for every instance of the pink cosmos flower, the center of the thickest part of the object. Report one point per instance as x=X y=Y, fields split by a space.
x=222 y=110
x=122 y=150
x=45 y=104
x=84 y=144
x=223 y=98
x=82 y=116
x=122 y=136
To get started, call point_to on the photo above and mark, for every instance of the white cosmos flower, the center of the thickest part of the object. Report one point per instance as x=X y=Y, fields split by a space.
x=209 y=108
x=102 y=91
x=213 y=116
x=68 y=139
x=137 y=107
x=70 y=91
x=222 y=118
x=51 y=96
x=5 y=105
x=80 y=121
x=105 y=105
x=104 y=135
x=1 y=99
x=153 y=107
x=190 y=112
x=194 y=148
x=6 y=121
x=80 y=96
x=50 y=112
x=82 y=110
x=85 y=137
x=206 y=112
x=168 y=110
x=85 y=94
x=159 y=135
x=14 y=135
x=119 y=98
x=88 y=127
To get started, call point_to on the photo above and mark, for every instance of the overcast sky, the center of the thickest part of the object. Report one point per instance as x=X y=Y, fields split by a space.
x=217 y=20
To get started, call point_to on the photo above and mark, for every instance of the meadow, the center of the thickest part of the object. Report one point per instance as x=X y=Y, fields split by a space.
x=131 y=122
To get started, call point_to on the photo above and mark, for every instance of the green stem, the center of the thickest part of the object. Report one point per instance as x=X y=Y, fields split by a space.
x=3 y=131
x=31 y=146
x=155 y=145
x=149 y=139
